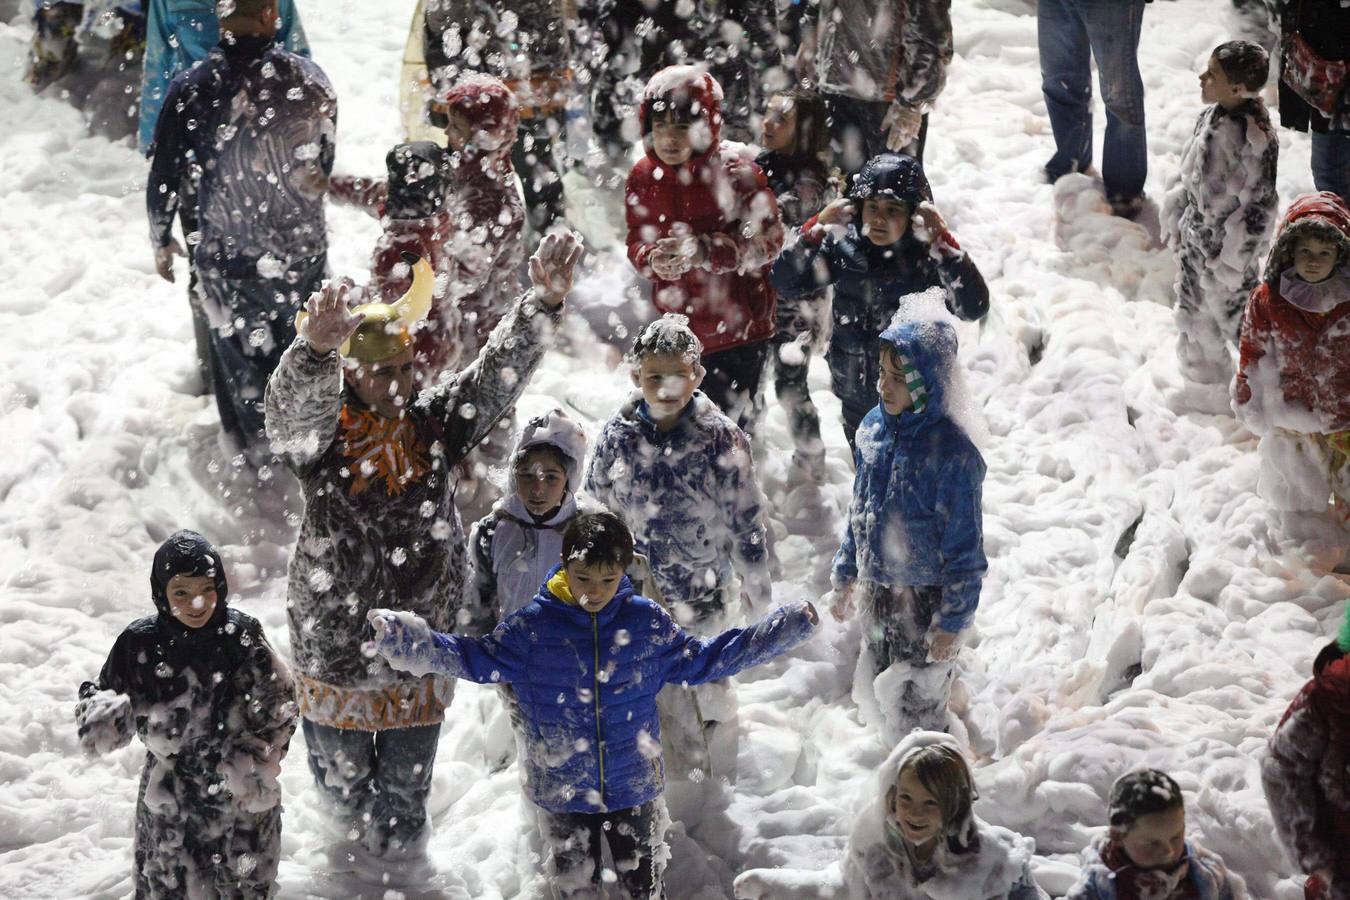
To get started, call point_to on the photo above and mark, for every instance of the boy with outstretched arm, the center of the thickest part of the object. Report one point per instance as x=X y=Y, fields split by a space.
x=587 y=657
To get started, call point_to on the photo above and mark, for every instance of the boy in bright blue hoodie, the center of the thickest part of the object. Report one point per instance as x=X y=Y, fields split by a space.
x=587 y=658
x=912 y=560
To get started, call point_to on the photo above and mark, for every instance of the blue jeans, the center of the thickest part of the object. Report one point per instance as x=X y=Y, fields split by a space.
x=1071 y=33
x=1331 y=163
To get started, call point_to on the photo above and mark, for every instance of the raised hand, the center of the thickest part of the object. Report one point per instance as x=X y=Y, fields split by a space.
x=928 y=223
x=839 y=212
x=902 y=124
x=552 y=265
x=330 y=320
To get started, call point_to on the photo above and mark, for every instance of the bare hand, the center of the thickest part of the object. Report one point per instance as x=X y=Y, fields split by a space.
x=812 y=616
x=164 y=258
x=841 y=603
x=902 y=125
x=928 y=223
x=330 y=320
x=552 y=265
x=839 y=212
x=944 y=646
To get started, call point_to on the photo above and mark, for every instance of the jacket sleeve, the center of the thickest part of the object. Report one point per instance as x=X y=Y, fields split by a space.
x=967 y=294
x=157 y=71
x=844 y=569
x=302 y=403
x=755 y=233
x=168 y=164
x=692 y=660
x=643 y=227
x=477 y=398
x=599 y=482
x=261 y=726
x=743 y=511
x=291 y=34
x=366 y=194
x=1254 y=343
x=791 y=884
x=409 y=644
x=482 y=607
x=1239 y=217
x=960 y=489
x=926 y=47
x=1289 y=774
x=103 y=716
x=804 y=265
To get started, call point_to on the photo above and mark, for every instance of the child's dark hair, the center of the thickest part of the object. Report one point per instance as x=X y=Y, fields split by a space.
x=669 y=335
x=1246 y=63
x=812 y=138
x=598 y=539
x=1140 y=793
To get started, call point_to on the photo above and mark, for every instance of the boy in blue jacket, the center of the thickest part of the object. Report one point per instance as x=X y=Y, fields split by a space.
x=883 y=240
x=587 y=658
x=912 y=559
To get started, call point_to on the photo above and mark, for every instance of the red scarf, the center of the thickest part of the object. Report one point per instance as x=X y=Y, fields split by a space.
x=1134 y=883
x=381 y=447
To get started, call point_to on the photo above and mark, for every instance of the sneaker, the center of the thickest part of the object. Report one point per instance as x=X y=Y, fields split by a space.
x=1126 y=207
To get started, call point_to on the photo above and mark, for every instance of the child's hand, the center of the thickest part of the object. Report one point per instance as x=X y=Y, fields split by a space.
x=405 y=640
x=944 y=646
x=670 y=260
x=841 y=603
x=330 y=320
x=104 y=721
x=164 y=258
x=838 y=212
x=928 y=223
x=552 y=265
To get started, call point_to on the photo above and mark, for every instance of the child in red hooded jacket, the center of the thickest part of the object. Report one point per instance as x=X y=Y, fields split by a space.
x=703 y=226
x=1293 y=381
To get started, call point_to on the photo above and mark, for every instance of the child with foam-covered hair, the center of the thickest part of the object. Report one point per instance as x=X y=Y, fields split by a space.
x=587 y=657
x=1145 y=854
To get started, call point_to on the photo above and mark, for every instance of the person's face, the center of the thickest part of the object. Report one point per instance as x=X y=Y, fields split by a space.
x=1157 y=840
x=192 y=599
x=892 y=387
x=1215 y=86
x=541 y=482
x=384 y=386
x=667 y=383
x=884 y=221
x=1314 y=260
x=916 y=810
x=593 y=586
x=462 y=137
x=673 y=141
x=779 y=128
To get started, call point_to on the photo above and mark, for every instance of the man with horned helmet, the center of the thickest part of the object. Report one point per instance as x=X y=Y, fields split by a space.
x=376 y=461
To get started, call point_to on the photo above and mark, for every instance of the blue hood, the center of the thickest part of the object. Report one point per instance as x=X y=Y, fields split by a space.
x=931 y=347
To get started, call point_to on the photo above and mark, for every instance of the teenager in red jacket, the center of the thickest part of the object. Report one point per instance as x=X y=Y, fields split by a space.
x=703 y=226
x=1293 y=382
x=1304 y=774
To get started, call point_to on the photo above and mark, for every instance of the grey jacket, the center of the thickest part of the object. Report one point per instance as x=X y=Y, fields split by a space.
x=884 y=50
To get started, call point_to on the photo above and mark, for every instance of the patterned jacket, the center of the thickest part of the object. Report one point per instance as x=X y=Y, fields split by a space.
x=1206 y=878
x=884 y=50
x=380 y=526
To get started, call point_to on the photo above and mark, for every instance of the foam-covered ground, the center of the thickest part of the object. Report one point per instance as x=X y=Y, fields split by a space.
x=1140 y=608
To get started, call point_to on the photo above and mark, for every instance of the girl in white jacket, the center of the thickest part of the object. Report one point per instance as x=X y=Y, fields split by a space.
x=917 y=839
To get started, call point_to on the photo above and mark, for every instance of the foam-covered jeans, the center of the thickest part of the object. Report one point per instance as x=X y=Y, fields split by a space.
x=1071 y=34
x=636 y=840
x=911 y=690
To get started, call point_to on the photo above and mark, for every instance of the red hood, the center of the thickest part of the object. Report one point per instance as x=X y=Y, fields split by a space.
x=489 y=106
x=1323 y=205
x=1333 y=686
x=684 y=81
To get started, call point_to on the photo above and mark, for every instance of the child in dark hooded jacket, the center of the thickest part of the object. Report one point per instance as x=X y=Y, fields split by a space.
x=882 y=241
x=215 y=707
x=912 y=559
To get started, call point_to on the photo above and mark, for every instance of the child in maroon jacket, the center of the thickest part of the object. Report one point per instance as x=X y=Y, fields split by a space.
x=703 y=226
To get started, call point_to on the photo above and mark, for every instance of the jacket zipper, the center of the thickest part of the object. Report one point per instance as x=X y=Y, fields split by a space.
x=595 y=684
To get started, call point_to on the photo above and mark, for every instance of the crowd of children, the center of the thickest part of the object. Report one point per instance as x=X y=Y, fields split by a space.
x=601 y=590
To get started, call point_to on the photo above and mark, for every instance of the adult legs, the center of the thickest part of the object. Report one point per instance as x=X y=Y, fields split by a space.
x=791 y=359
x=535 y=158
x=343 y=764
x=1331 y=163
x=1066 y=82
x=733 y=381
x=854 y=370
x=856 y=134
x=1113 y=28
x=403 y=765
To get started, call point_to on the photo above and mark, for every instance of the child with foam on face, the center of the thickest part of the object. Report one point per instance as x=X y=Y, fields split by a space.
x=1304 y=773
x=881 y=242
x=1220 y=209
x=1144 y=854
x=586 y=658
x=912 y=560
x=916 y=838
x=703 y=226
x=215 y=707
x=1293 y=381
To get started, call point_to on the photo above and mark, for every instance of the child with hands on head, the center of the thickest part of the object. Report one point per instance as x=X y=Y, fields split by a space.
x=1145 y=854
x=587 y=658
x=215 y=707
x=916 y=838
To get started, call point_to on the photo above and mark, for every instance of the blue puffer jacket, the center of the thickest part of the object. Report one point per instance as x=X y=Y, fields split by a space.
x=178 y=33
x=915 y=519
x=587 y=685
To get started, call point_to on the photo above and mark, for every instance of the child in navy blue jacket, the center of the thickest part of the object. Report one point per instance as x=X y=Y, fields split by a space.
x=881 y=241
x=587 y=658
x=912 y=559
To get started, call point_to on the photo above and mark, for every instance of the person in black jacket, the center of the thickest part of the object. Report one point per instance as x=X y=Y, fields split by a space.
x=881 y=242
x=215 y=708
x=256 y=124
x=1324 y=25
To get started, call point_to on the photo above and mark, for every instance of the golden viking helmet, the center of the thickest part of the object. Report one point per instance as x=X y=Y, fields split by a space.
x=386 y=328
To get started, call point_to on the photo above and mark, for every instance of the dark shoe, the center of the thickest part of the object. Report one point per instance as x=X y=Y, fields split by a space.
x=1126 y=207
